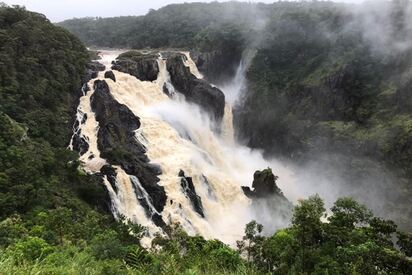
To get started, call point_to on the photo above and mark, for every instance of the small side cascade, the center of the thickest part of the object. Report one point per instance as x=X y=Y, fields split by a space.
x=228 y=131
x=188 y=61
x=126 y=203
x=163 y=78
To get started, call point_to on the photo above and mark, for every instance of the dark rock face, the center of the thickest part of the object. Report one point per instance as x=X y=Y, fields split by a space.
x=198 y=91
x=110 y=173
x=264 y=185
x=146 y=201
x=217 y=66
x=110 y=74
x=268 y=201
x=92 y=70
x=141 y=66
x=189 y=190
x=80 y=144
x=118 y=145
x=95 y=66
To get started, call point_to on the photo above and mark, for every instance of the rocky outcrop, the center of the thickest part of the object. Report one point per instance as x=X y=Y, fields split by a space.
x=118 y=145
x=189 y=190
x=92 y=70
x=264 y=185
x=79 y=143
x=110 y=74
x=142 y=66
x=95 y=66
x=268 y=201
x=110 y=173
x=198 y=91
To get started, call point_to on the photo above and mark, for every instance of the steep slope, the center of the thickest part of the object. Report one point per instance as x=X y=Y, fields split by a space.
x=325 y=92
x=41 y=72
x=47 y=202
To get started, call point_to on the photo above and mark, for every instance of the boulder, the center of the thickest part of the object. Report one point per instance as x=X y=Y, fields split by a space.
x=110 y=74
x=199 y=91
x=142 y=66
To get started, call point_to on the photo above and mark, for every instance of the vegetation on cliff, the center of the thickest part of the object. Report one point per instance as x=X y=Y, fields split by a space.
x=53 y=219
x=331 y=85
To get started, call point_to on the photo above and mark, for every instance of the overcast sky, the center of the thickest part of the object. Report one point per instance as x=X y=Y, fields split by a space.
x=58 y=10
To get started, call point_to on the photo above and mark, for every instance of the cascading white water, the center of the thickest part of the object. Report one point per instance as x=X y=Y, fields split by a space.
x=234 y=88
x=178 y=136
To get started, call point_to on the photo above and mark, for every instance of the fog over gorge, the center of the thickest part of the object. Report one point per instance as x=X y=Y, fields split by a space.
x=215 y=137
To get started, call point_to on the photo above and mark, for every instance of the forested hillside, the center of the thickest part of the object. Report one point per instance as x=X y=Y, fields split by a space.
x=46 y=200
x=330 y=88
x=54 y=217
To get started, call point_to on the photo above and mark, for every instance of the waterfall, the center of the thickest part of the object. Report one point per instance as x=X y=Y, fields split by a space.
x=178 y=136
x=234 y=89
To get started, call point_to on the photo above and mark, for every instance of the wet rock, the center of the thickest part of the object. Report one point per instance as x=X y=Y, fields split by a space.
x=95 y=66
x=92 y=70
x=268 y=201
x=264 y=185
x=80 y=144
x=118 y=145
x=147 y=203
x=85 y=88
x=189 y=190
x=142 y=66
x=94 y=75
x=169 y=90
x=110 y=173
x=110 y=74
x=198 y=91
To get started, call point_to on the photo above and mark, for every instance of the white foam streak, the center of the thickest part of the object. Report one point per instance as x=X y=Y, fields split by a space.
x=89 y=129
x=192 y=65
x=124 y=202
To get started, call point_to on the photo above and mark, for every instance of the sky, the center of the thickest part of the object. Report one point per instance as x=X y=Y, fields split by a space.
x=58 y=10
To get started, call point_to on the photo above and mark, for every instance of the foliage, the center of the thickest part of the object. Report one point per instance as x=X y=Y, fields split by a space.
x=198 y=25
x=351 y=241
x=51 y=219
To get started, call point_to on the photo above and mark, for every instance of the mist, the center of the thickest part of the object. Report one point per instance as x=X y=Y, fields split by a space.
x=386 y=29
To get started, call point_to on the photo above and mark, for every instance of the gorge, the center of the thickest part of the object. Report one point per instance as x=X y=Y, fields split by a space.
x=171 y=139
x=208 y=138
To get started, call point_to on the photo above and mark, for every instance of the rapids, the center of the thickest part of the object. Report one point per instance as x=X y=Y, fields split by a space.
x=178 y=136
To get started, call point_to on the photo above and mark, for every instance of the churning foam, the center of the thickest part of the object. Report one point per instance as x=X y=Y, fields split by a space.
x=178 y=136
